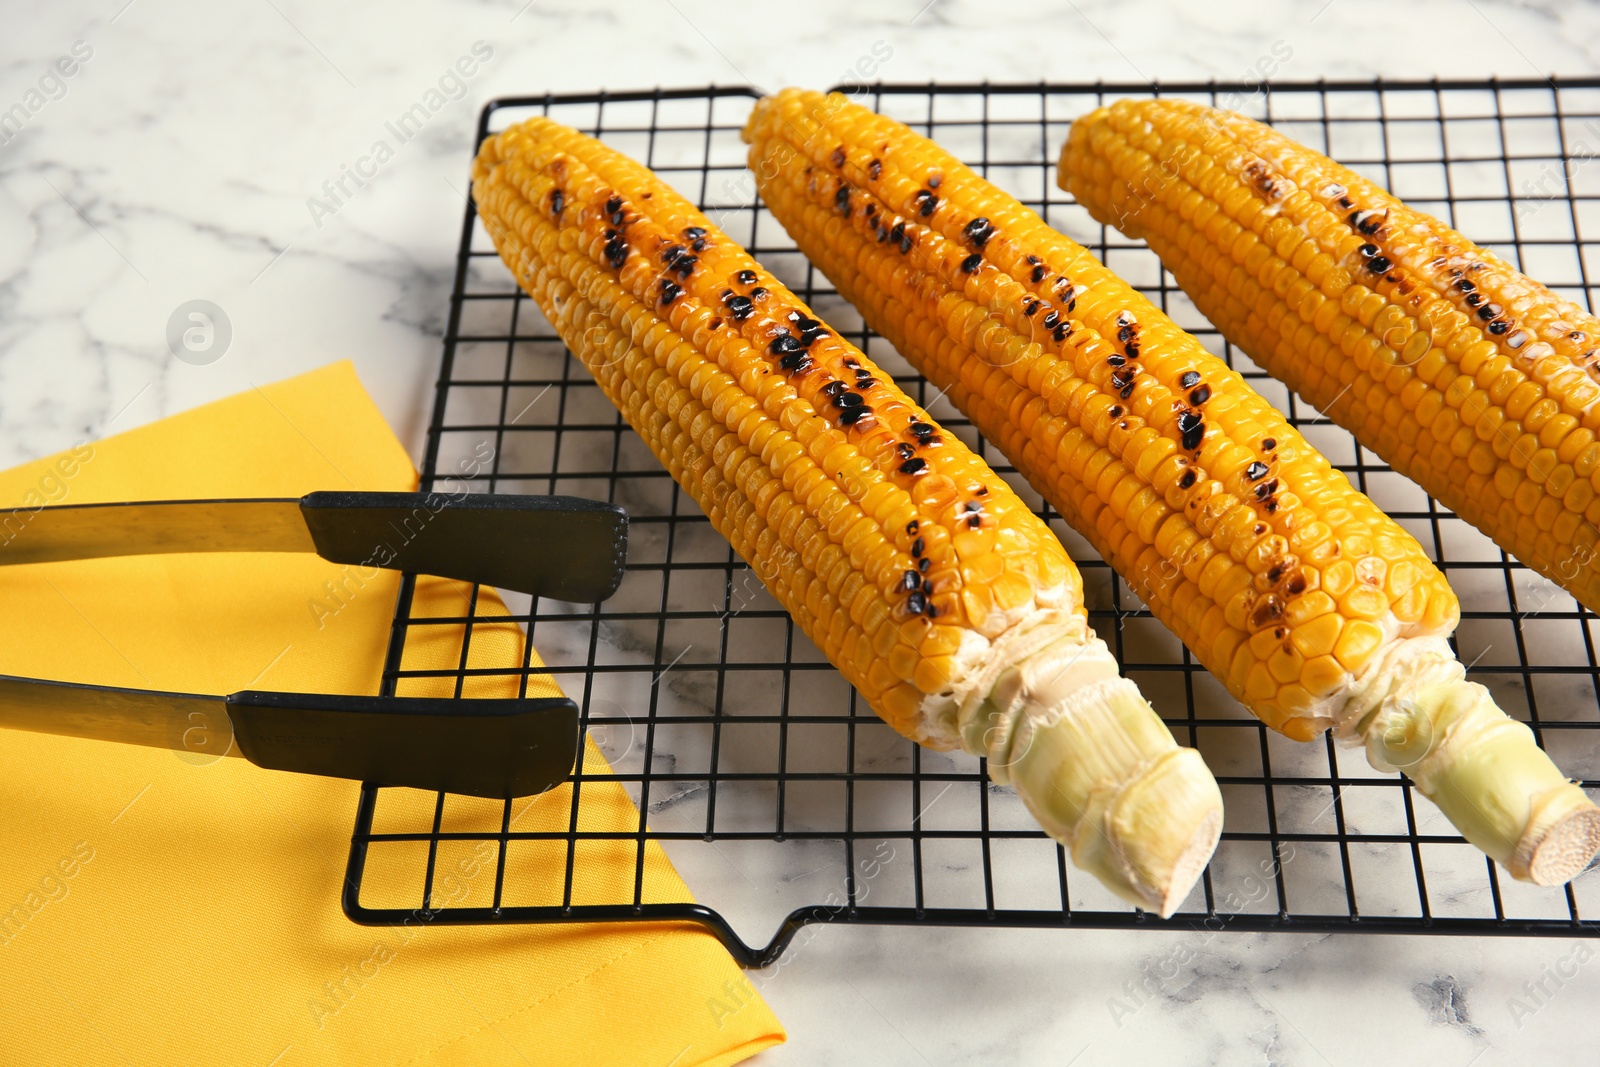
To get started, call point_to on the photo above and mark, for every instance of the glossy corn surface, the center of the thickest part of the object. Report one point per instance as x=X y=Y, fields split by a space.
x=1285 y=581
x=920 y=575
x=1469 y=377
x=932 y=587
x=888 y=540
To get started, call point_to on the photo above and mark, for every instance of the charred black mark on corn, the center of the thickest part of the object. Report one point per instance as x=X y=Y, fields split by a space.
x=796 y=362
x=1128 y=335
x=875 y=169
x=615 y=211
x=810 y=329
x=1187 y=479
x=914 y=465
x=852 y=415
x=841 y=199
x=1060 y=330
x=1368 y=222
x=1066 y=294
x=847 y=400
x=616 y=250
x=837 y=158
x=739 y=307
x=926 y=202
x=1189 y=379
x=1199 y=396
x=971 y=263
x=678 y=260
x=558 y=200
x=1192 y=428
x=792 y=355
x=1261 y=181
x=1268 y=611
x=978 y=231
x=1256 y=471
x=670 y=290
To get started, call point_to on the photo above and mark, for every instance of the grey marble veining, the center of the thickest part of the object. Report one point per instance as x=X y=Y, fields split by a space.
x=183 y=159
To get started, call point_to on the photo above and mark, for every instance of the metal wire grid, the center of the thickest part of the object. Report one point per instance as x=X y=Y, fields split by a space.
x=775 y=791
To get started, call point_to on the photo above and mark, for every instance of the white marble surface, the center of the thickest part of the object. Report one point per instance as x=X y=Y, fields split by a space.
x=177 y=165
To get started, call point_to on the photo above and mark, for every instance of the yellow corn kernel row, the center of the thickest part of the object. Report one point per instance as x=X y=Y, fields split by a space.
x=1463 y=374
x=913 y=566
x=1283 y=579
x=884 y=535
x=1314 y=607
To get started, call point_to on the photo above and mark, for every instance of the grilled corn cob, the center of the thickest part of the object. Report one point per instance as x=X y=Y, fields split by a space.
x=1471 y=378
x=927 y=582
x=1312 y=606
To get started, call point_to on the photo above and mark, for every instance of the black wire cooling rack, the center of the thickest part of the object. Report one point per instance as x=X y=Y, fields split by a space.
x=777 y=794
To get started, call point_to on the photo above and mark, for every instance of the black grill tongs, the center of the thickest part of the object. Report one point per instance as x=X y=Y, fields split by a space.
x=559 y=547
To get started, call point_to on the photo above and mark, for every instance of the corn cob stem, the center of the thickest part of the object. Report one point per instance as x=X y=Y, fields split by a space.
x=923 y=577
x=1313 y=607
x=1488 y=775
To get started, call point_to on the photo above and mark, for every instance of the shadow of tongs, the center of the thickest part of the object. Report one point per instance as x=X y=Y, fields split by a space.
x=559 y=547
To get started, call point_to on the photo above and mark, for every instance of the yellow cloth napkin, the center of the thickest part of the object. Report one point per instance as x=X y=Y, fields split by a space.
x=161 y=908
